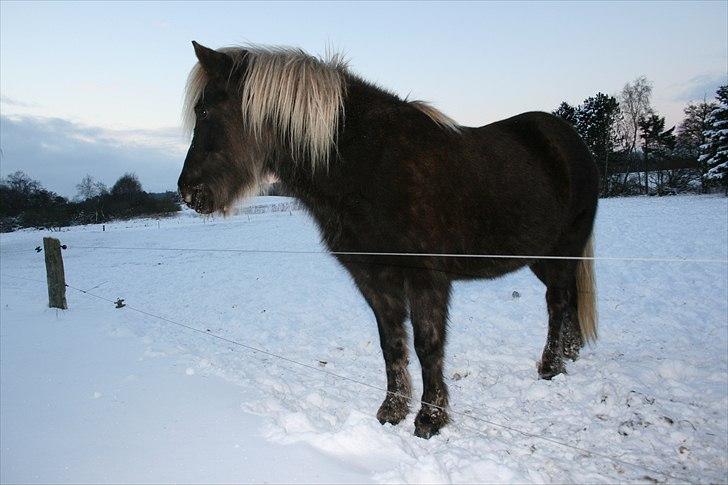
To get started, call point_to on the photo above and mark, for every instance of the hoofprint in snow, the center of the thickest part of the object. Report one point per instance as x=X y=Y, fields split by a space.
x=96 y=393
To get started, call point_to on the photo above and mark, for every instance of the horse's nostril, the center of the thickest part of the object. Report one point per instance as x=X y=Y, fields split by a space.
x=185 y=192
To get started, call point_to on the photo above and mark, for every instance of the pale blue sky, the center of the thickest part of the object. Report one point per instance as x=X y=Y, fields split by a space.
x=113 y=73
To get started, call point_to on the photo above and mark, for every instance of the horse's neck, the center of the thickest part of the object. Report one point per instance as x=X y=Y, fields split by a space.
x=325 y=187
x=317 y=190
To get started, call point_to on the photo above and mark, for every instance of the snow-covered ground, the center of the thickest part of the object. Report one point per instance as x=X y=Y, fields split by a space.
x=99 y=394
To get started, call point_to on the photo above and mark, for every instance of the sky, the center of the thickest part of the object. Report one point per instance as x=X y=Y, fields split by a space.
x=97 y=88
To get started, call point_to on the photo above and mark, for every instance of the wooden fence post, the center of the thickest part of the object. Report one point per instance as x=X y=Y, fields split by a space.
x=54 y=273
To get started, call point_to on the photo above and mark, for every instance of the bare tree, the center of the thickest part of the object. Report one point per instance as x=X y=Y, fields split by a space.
x=691 y=134
x=22 y=183
x=634 y=102
x=101 y=188
x=86 y=189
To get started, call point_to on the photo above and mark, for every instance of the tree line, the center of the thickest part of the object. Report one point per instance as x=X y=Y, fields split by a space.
x=24 y=202
x=637 y=154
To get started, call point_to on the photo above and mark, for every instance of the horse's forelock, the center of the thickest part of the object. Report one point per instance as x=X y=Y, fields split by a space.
x=195 y=87
x=300 y=96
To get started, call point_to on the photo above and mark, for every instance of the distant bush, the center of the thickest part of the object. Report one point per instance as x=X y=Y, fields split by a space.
x=25 y=203
x=127 y=185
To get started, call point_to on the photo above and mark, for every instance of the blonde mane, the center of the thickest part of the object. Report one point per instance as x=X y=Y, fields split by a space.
x=299 y=96
x=435 y=115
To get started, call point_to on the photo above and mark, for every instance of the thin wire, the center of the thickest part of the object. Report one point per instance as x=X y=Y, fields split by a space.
x=601 y=298
x=371 y=386
x=14 y=251
x=421 y=255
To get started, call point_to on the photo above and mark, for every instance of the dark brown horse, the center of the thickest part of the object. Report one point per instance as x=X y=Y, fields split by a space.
x=386 y=175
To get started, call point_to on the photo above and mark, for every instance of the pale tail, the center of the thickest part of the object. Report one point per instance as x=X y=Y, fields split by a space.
x=586 y=289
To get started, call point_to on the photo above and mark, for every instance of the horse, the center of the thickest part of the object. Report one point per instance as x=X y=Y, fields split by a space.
x=406 y=199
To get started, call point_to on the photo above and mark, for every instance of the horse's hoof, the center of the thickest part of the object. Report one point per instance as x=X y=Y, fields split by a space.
x=429 y=421
x=549 y=369
x=393 y=410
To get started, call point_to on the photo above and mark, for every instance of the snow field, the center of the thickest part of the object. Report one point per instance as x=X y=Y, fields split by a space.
x=653 y=391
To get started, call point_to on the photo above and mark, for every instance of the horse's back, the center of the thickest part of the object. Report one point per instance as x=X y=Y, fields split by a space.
x=511 y=187
x=524 y=181
x=538 y=154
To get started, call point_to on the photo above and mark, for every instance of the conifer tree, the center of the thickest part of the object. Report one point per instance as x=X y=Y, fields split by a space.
x=596 y=120
x=566 y=112
x=657 y=145
x=714 y=153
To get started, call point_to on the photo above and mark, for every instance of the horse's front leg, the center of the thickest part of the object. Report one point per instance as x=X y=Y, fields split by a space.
x=393 y=339
x=429 y=300
x=384 y=291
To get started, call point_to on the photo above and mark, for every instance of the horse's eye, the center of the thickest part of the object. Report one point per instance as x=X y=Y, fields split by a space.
x=203 y=114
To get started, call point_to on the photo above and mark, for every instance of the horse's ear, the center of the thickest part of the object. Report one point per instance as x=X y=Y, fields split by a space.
x=213 y=62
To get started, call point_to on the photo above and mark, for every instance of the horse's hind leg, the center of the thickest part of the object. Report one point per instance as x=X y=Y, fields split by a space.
x=571 y=340
x=564 y=337
x=383 y=289
x=429 y=299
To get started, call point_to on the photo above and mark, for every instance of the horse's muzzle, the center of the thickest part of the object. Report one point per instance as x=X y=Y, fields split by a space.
x=198 y=198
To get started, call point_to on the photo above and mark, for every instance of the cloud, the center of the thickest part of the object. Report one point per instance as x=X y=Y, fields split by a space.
x=698 y=87
x=59 y=152
x=15 y=102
